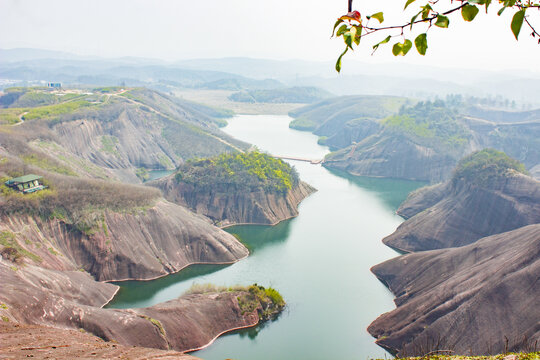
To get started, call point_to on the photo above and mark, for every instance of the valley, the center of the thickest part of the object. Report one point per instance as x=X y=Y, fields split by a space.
x=110 y=246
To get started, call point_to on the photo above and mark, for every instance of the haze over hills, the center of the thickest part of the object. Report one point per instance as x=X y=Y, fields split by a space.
x=95 y=145
x=358 y=78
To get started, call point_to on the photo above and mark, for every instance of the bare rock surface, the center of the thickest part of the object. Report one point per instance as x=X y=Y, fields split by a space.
x=43 y=342
x=393 y=156
x=459 y=212
x=73 y=301
x=142 y=244
x=477 y=299
x=229 y=206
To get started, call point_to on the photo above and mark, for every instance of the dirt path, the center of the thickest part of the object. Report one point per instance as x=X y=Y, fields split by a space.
x=21 y=120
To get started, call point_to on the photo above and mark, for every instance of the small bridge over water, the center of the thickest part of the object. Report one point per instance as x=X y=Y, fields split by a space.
x=311 y=161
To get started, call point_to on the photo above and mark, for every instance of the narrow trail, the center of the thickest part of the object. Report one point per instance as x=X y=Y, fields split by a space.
x=21 y=120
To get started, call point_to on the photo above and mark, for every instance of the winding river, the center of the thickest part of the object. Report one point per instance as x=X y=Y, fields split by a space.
x=319 y=261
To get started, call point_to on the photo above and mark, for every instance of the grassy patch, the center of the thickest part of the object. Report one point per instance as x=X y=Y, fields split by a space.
x=109 y=143
x=142 y=174
x=155 y=322
x=12 y=248
x=50 y=111
x=5 y=319
x=10 y=116
x=46 y=163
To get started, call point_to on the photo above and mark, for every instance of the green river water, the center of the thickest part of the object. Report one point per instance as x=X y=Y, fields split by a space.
x=319 y=261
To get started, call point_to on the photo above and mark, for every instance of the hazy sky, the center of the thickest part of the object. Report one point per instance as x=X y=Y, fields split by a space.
x=277 y=29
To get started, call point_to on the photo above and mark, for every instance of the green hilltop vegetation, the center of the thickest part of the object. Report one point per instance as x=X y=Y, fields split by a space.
x=267 y=301
x=486 y=165
x=244 y=171
x=301 y=95
x=429 y=122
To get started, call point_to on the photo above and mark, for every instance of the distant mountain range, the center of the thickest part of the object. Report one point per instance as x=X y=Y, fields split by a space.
x=358 y=78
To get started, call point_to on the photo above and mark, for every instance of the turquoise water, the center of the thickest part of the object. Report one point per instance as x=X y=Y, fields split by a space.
x=319 y=261
x=156 y=174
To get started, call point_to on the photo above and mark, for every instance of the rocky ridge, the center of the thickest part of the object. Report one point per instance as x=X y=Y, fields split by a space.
x=459 y=212
x=481 y=298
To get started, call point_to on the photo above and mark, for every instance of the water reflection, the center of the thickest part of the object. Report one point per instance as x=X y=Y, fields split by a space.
x=139 y=293
x=256 y=237
x=392 y=192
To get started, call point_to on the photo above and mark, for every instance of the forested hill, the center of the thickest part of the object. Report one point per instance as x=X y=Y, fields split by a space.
x=402 y=138
x=250 y=187
x=112 y=132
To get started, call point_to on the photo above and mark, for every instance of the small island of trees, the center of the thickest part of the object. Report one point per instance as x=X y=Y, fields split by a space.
x=240 y=171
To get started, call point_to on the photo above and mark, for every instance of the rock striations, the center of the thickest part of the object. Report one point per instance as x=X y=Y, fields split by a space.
x=145 y=244
x=72 y=300
x=229 y=206
x=461 y=211
x=483 y=298
x=472 y=286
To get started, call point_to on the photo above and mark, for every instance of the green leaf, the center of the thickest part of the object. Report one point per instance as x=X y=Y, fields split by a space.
x=379 y=16
x=421 y=43
x=442 y=21
x=517 y=21
x=358 y=34
x=402 y=49
x=488 y=2
x=407 y=45
x=396 y=49
x=414 y=18
x=409 y=2
x=425 y=11
x=468 y=12
x=339 y=21
x=348 y=38
x=341 y=30
x=338 y=62
x=387 y=39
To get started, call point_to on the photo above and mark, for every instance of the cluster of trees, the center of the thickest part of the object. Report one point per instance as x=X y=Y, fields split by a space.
x=430 y=120
x=242 y=171
x=486 y=165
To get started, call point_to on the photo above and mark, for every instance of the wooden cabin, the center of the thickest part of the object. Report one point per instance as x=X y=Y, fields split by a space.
x=26 y=184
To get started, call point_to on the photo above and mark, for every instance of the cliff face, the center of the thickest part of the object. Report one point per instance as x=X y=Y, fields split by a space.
x=141 y=245
x=72 y=300
x=394 y=157
x=227 y=206
x=475 y=298
x=460 y=212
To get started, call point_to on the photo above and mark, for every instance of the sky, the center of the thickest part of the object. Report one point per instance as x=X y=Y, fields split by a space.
x=274 y=29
